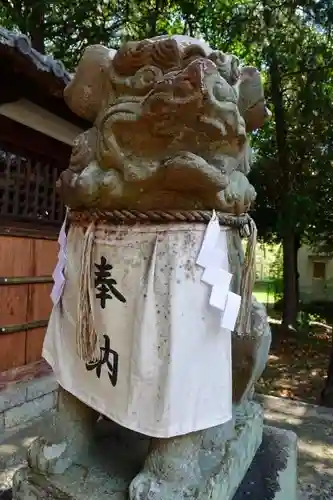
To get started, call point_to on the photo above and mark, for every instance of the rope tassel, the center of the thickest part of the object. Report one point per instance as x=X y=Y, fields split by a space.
x=247 y=282
x=86 y=336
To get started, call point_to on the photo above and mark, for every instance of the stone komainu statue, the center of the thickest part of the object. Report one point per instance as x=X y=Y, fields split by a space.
x=170 y=121
x=156 y=302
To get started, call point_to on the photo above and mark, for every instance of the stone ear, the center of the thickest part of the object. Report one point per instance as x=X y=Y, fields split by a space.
x=251 y=101
x=250 y=89
x=90 y=84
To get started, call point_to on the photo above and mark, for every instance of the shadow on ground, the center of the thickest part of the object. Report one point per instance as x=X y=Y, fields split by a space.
x=314 y=428
x=5 y=495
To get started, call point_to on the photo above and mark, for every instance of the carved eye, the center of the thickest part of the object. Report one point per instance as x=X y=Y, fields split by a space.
x=147 y=76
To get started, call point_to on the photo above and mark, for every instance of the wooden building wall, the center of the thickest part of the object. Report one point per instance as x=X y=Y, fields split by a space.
x=24 y=306
x=31 y=215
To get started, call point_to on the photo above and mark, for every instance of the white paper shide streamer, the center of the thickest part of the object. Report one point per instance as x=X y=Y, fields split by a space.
x=58 y=273
x=213 y=258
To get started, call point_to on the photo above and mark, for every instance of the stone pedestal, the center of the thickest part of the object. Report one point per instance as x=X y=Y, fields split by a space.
x=257 y=466
x=273 y=472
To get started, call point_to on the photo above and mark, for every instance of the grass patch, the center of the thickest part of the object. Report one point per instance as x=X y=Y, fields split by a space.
x=264 y=291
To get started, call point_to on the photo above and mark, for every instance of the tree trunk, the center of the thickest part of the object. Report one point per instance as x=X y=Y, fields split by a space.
x=327 y=393
x=290 y=300
x=154 y=16
x=36 y=28
x=35 y=23
x=297 y=247
x=290 y=295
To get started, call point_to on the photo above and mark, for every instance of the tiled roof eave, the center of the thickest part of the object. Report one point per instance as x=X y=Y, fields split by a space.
x=22 y=44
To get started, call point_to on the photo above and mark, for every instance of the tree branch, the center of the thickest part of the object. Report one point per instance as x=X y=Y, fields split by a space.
x=307 y=70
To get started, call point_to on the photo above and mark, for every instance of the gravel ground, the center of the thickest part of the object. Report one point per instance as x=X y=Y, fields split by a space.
x=313 y=426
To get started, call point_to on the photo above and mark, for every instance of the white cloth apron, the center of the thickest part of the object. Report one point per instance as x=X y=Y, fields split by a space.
x=169 y=369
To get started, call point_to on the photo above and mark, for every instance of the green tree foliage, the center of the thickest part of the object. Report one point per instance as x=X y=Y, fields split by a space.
x=291 y=42
x=65 y=27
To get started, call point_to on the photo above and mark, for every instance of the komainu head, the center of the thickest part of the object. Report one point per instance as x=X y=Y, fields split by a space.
x=170 y=120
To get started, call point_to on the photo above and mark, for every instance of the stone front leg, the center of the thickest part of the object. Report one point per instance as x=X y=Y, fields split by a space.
x=209 y=464
x=70 y=435
x=250 y=354
x=171 y=469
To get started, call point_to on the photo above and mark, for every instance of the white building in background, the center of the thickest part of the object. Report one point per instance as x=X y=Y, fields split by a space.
x=315 y=275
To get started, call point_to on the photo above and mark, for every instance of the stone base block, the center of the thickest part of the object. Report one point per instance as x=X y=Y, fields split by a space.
x=273 y=472
x=108 y=470
x=23 y=402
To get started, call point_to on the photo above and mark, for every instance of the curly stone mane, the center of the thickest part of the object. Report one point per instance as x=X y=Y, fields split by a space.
x=169 y=129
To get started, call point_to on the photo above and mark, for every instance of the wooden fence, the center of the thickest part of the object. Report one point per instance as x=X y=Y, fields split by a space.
x=26 y=267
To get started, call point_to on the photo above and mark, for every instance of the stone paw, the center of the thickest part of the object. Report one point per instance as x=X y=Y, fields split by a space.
x=47 y=458
x=146 y=486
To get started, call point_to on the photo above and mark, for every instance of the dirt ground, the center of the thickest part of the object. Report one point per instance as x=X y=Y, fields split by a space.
x=297 y=363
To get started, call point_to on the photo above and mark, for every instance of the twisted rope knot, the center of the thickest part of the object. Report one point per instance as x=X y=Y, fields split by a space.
x=118 y=217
